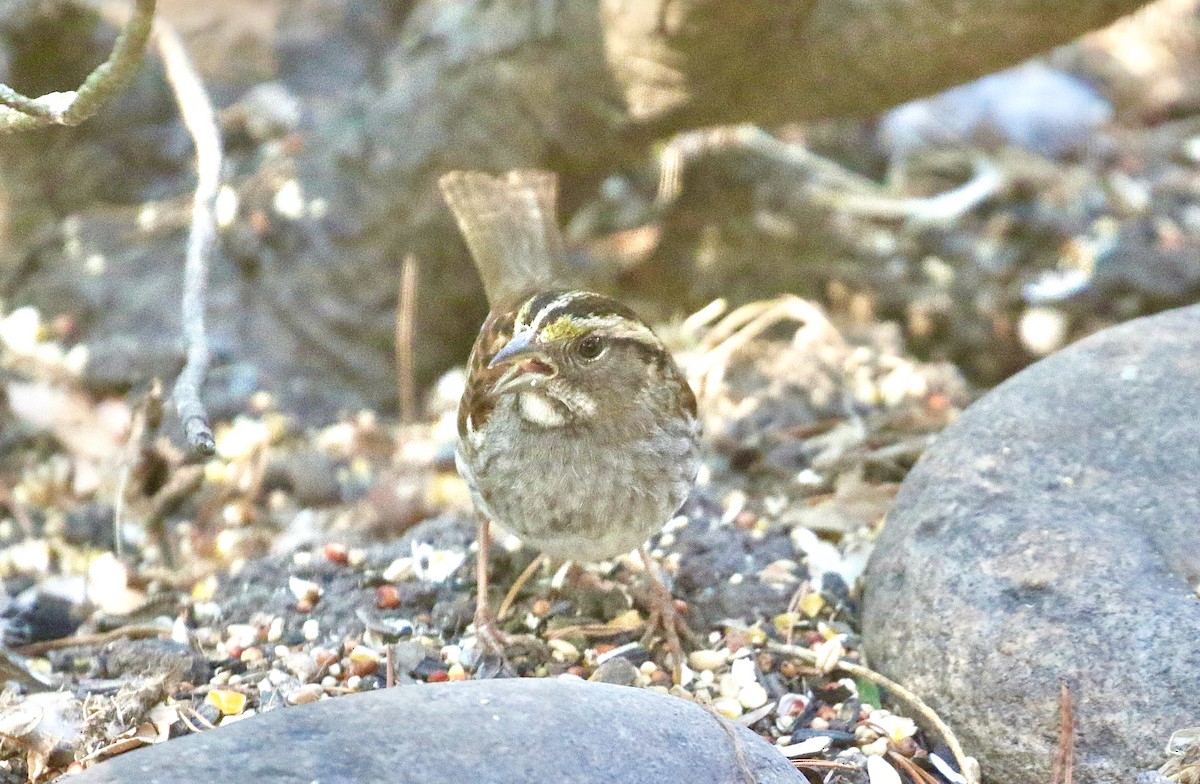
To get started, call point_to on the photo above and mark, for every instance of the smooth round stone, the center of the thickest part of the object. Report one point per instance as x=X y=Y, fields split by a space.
x=1051 y=536
x=484 y=732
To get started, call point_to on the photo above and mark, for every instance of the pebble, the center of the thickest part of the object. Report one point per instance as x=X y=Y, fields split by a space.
x=743 y=671
x=705 y=660
x=241 y=635
x=875 y=748
x=337 y=553
x=805 y=747
x=305 y=590
x=563 y=651
x=728 y=686
x=227 y=701
x=753 y=696
x=387 y=597
x=729 y=708
x=456 y=673
x=617 y=671
x=408 y=654
x=880 y=772
x=311 y=629
x=363 y=661
x=329 y=681
x=309 y=692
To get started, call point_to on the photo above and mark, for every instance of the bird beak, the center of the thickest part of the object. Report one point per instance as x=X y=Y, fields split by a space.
x=520 y=345
x=527 y=363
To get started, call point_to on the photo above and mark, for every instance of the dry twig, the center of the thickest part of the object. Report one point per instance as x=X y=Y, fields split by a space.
x=916 y=774
x=1064 y=762
x=832 y=185
x=146 y=419
x=21 y=113
x=201 y=122
x=406 y=308
x=138 y=632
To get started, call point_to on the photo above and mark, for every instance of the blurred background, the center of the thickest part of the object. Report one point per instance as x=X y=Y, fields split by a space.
x=339 y=114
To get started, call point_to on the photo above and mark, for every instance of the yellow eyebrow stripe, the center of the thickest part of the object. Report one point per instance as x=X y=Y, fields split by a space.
x=563 y=328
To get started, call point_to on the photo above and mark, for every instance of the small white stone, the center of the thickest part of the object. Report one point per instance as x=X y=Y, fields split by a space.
x=729 y=708
x=805 y=748
x=289 y=200
x=880 y=772
x=876 y=748
x=399 y=570
x=311 y=629
x=705 y=660
x=226 y=207
x=742 y=671
x=1042 y=330
x=310 y=692
x=564 y=651
x=300 y=664
x=729 y=687
x=305 y=590
x=753 y=696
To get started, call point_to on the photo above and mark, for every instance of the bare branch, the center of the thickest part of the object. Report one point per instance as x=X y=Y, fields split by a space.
x=21 y=113
x=197 y=112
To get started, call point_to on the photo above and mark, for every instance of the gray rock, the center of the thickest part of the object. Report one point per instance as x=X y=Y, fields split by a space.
x=1033 y=106
x=617 y=670
x=485 y=732
x=1050 y=537
x=153 y=659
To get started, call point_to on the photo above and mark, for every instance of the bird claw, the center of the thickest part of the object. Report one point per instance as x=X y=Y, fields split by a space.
x=489 y=634
x=666 y=618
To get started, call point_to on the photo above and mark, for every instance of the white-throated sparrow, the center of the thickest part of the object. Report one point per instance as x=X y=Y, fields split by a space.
x=577 y=430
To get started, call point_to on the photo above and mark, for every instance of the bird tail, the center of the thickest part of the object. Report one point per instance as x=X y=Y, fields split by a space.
x=509 y=224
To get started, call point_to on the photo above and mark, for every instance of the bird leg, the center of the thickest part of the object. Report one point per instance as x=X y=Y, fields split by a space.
x=485 y=621
x=665 y=617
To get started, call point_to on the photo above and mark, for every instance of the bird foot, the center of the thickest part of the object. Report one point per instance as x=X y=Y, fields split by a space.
x=490 y=635
x=667 y=620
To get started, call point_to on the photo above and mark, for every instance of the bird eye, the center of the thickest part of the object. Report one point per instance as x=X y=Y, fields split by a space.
x=590 y=347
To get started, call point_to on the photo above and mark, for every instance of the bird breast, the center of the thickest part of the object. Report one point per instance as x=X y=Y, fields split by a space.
x=569 y=494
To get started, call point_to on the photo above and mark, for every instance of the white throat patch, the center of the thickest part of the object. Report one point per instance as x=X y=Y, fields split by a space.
x=540 y=410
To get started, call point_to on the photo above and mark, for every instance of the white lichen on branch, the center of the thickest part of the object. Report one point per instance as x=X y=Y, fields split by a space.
x=21 y=113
